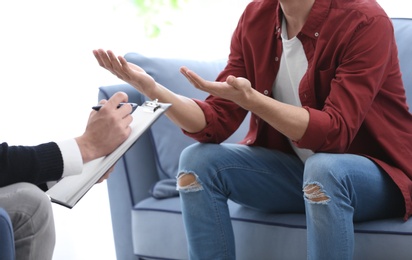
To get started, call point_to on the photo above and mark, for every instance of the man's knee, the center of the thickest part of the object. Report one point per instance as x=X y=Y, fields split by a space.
x=35 y=230
x=33 y=207
x=188 y=182
x=34 y=196
x=198 y=156
x=314 y=193
x=194 y=151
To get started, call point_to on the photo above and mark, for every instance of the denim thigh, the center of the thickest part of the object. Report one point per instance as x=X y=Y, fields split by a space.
x=255 y=177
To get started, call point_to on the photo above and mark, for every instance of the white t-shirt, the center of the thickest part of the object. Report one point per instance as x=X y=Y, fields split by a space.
x=293 y=65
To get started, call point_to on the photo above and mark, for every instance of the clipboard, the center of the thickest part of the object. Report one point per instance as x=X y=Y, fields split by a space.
x=70 y=189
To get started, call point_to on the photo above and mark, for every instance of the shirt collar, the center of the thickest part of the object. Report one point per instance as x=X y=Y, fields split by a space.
x=317 y=16
x=278 y=21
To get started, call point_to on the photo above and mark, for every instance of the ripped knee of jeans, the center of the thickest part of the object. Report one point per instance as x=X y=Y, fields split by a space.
x=188 y=182
x=314 y=193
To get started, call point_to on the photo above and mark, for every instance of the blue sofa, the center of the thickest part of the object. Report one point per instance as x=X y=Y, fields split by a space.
x=6 y=237
x=146 y=215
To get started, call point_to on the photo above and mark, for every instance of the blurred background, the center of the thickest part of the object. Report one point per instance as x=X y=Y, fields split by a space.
x=49 y=78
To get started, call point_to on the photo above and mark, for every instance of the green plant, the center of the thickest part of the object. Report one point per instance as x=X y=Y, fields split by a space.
x=158 y=13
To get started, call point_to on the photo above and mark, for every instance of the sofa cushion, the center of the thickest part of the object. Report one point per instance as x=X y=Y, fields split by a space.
x=279 y=235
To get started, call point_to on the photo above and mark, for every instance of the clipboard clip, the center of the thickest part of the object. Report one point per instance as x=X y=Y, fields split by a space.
x=151 y=106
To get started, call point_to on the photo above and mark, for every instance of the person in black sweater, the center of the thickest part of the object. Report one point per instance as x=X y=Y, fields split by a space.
x=27 y=171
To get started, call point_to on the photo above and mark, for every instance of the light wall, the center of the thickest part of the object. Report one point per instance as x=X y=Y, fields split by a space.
x=49 y=80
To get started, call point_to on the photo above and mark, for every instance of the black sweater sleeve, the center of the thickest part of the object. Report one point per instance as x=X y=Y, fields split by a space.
x=33 y=164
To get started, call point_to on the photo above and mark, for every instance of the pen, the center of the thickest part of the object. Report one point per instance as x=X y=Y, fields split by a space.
x=134 y=106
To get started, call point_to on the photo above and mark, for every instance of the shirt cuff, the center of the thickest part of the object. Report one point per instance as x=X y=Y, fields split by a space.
x=72 y=158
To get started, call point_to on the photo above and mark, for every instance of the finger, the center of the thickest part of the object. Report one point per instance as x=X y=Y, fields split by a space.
x=238 y=83
x=122 y=60
x=126 y=121
x=103 y=101
x=119 y=97
x=125 y=110
x=105 y=60
x=232 y=81
x=106 y=175
x=184 y=71
x=127 y=71
x=195 y=79
x=98 y=58
x=187 y=77
x=117 y=67
x=116 y=99
x=123 y=68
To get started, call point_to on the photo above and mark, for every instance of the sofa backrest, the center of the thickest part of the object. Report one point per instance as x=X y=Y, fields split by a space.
x=403 y=35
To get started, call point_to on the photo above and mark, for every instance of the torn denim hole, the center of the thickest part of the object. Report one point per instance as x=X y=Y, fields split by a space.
x=314 y=193
x=188 y=182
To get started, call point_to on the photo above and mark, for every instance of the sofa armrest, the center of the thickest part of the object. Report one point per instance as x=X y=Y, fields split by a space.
x=7 y=251
x=137 y=167
x=132 y=178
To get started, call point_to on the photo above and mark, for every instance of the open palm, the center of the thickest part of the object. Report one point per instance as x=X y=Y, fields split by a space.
x=126 y=71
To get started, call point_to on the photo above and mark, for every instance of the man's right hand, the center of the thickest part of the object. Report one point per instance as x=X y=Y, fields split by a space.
x=106 y=129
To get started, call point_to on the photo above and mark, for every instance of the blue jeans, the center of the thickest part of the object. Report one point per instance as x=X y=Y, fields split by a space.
x=337 y=188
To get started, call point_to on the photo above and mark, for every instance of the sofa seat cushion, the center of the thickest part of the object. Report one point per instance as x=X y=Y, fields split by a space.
x=265 y=236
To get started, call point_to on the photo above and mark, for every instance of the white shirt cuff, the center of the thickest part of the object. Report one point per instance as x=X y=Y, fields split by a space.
x=72 y=158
